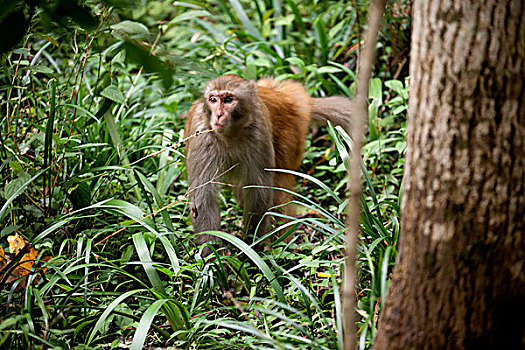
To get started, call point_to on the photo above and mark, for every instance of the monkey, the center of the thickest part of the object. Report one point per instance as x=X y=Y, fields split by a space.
x=242 y=128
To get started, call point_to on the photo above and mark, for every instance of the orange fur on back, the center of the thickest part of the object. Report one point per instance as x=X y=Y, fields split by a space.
x=289 y=110
x=289 y=113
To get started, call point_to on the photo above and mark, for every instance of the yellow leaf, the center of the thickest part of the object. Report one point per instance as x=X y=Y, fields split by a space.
x=3 y=259
x=22 y=269
x=324 y=274
x=16 y=243
x=27 y=262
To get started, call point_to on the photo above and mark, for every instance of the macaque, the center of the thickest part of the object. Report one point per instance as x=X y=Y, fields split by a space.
x=254 y=127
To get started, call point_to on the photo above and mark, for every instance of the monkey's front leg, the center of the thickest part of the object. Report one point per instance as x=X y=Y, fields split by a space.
x=256 y=202
x=205 y=211
x=202 y=172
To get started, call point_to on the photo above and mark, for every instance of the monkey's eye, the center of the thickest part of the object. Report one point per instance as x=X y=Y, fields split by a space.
x=228 y=99
x=212 y=99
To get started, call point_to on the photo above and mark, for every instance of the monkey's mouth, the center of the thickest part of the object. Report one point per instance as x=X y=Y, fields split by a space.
x=218 y=127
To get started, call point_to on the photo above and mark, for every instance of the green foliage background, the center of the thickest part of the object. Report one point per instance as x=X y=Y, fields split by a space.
x=93 y=173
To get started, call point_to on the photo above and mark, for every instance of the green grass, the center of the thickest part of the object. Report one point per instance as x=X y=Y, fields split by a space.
x=92 y=158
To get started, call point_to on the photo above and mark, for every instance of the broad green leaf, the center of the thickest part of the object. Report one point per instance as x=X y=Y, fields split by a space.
x=49 y=38
x=328 y=69
x=401 y=146
x=284 y=21
x=22 y=51
x=399 y=109
x=189 y=15
x=79 y=14
x=250 y=72
x=372 y=121
x=131 y=28
x=42 y=69
x=119 y=58
x=20 y=189
x=395 y=85
x=13 y=186
x=262 y=62
x=123 y=321
x=151 y=63
x=16 y=166
x=114 y=94
x=296 y=61
x=375 y=91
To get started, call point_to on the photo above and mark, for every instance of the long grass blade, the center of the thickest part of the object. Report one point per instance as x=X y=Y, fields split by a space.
x=19 y=191
x=243 y=17
x=322 y=39
x=158 y=200
x=48 y=142
x=255 y=258
x=144 y=325
x=107 y=312
x=121 y=151
x=312 y=179
x=146 y=262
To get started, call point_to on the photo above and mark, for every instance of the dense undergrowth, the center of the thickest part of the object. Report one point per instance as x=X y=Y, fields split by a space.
x=93 y=173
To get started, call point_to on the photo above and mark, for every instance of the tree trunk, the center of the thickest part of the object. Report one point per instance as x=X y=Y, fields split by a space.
x=459 y=281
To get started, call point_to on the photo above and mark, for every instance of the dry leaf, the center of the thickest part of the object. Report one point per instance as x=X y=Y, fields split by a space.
x=3 y=259
x=16 y=243
x=24 y=266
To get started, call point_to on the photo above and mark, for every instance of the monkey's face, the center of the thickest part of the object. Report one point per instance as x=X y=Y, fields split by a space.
x=221 y=106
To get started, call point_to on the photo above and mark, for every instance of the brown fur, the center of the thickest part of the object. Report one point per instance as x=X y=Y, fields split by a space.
x=264 y=126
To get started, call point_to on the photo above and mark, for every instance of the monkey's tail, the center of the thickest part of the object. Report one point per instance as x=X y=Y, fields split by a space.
x=336 y=109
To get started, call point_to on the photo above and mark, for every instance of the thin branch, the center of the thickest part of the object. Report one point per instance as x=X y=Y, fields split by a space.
x=186 y=195
x=360 y=116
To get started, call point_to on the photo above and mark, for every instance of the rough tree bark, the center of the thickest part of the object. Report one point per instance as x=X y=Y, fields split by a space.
x=459 y=282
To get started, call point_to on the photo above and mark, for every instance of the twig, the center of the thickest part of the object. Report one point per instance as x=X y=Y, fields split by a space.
x=74 y=94
x=212 y=181
x=360 y=116
x=176 y=144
